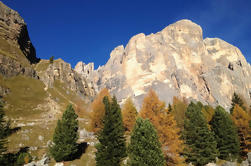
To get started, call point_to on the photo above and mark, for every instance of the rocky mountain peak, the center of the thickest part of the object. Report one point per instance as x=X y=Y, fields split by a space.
x=176 y=62
x=10 y=16
x=14 y=30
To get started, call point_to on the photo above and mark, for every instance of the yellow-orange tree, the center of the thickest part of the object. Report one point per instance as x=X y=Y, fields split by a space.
x=129 y=115
x=179 y=108
x=165 y=124
x=241 y=120
x=208 y=112
x=98 y=111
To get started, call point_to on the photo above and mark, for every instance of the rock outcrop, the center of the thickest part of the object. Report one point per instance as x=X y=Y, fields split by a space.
x=16 y=50
x=10 y=67
x=62 y=71
x=14 y=30
x=86 y=71
x=176 y=62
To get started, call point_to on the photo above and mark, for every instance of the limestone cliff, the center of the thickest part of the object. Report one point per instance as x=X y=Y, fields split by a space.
x=176 y=62
x=16 y=50
x=14 y=30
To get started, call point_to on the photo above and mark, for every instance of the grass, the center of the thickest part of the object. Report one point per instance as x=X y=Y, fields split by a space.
x=7 y=54
x=25 y=94
x=10 y=50
x=28 y=136
x=21 y=106
x=42 y=65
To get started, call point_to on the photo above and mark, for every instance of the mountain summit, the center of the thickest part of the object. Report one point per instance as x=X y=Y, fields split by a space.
x=176 y=61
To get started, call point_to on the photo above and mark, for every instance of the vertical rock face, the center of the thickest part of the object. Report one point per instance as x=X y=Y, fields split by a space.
x=86 y=71
x=176 y=62
x=14 y=30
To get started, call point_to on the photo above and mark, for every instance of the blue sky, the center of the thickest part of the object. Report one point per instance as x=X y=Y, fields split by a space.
x=88 y=30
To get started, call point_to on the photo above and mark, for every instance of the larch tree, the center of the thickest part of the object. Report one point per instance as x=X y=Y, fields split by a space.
x=111 y=149
x=208 y=112
x=98 y=111
x=65 y=137
x=144 y=148
x=129 y=115
x=166 y=126
x=226 y=134
x=179 y=108
x=151 y=106
x=200 y=144
x=169 y=136
x=241 y=120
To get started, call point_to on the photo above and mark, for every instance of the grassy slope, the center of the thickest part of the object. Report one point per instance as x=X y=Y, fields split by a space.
x=13 y=52
x=21 y=106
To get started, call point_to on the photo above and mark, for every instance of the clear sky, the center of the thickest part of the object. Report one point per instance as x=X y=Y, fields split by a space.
x=88 y=30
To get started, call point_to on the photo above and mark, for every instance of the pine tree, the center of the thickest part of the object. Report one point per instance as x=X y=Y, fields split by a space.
x=129 y=114
x=65 y=136
x=199 y=140
x=169 y=108
x=226 y=134
x=237 y=100
x=144 y=148
x=166 y=126
x=4 y=131
x=111 y=148
x=98 y=111
x=241 y=120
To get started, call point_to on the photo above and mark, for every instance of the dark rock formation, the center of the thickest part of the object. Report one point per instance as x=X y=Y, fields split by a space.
x=14 y=30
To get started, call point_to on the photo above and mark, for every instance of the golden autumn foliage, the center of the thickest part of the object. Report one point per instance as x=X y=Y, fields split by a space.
x=241 y=120
x=179 y=108
x=129 y=114
x=98 y=111
x=208 y=113
x=166 y=126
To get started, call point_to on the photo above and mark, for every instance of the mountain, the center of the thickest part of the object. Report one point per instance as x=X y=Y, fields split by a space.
x=176 y=61
x=35 y=91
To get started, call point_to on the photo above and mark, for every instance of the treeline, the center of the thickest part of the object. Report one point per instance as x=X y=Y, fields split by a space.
x=169 y=135
x=156 y=135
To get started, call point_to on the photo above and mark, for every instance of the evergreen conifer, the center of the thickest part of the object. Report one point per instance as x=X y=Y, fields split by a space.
x=65 y=136
x=226 y=134
x=144 y=148
x=111 y=148
x=201 y=147
x=237 y=100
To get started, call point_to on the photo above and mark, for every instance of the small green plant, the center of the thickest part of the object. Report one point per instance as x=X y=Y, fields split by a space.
x=51 y=59
x=24 y=158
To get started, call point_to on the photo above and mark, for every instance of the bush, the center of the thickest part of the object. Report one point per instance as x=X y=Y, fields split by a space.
x=24 y=158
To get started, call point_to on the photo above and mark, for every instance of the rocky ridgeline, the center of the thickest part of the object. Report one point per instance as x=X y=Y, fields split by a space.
x=63 y=72
x=14 y=30
x=18 y=57
x=176 y=61
x=16 y=49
